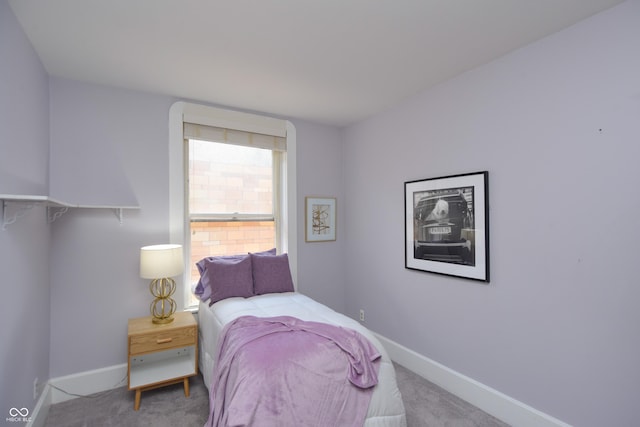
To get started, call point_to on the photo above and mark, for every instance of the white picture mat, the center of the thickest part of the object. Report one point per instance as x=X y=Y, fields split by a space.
x=328 y=205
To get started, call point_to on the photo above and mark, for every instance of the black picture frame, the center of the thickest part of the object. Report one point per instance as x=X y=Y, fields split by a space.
x=447 y=225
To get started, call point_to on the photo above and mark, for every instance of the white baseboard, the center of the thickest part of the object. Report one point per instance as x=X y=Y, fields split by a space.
x=501 y=406
x=88 y=382
x=72 y=386
x=40 y=411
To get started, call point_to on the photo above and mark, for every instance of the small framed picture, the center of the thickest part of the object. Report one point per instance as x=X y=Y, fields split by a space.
x=447 y=225
x=320 y=219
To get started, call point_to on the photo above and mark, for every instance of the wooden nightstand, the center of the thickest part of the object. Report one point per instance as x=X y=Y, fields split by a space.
x=161 y=355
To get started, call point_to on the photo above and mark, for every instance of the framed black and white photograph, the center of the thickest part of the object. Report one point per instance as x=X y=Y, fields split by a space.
x=320 y=219
x=447 y=225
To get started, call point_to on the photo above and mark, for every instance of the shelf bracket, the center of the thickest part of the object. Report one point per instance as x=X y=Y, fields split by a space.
x=118 y=212
x=9 y=218
x=54 y=212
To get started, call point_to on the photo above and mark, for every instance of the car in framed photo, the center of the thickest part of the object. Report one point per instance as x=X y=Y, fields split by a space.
x=446 y=225
x=443 y=223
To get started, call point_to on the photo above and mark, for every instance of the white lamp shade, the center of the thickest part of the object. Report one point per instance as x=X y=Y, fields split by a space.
x=160 y=261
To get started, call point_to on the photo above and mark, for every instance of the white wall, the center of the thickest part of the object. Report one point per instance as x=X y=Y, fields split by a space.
x=24 y=245
x=320 y=174
x=556 y=124
x=95 y=283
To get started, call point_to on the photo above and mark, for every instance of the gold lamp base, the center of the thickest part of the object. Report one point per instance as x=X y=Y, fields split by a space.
x=163 y=306
x=158 y=320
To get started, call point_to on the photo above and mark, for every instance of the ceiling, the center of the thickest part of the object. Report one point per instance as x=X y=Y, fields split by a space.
x=327 y=61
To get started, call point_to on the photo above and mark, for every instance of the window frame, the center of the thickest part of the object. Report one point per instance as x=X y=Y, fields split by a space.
x=181 y=112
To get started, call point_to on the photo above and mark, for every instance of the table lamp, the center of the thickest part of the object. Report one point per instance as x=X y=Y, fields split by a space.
x=161 y=263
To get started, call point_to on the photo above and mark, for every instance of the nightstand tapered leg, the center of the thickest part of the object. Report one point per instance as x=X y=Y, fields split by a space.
x=186 y=387
x=136 y=405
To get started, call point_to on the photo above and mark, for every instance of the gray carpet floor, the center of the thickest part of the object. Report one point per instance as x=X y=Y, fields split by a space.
x=426 y=405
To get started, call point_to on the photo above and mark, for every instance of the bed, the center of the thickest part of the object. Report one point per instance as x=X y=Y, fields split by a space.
x=217 y=313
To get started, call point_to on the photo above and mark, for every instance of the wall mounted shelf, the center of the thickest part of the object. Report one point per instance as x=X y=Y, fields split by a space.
x=15 y=207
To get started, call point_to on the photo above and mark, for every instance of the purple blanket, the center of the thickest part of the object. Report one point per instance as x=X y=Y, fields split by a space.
x=282 y=371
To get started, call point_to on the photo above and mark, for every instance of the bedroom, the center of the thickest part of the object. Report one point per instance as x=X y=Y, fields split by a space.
x=555 y=121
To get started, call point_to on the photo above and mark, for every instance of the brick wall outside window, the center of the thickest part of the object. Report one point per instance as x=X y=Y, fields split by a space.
x=228 y=238
x=228 y=179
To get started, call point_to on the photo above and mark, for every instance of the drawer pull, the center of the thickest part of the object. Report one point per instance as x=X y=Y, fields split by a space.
x=163 y=340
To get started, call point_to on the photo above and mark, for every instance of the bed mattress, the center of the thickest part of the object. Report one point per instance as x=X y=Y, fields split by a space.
x=386 y=408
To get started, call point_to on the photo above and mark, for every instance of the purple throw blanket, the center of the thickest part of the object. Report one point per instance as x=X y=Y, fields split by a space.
x=282 y=371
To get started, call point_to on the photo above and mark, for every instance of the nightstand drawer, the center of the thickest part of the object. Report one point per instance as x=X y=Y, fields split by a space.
x=162 y=340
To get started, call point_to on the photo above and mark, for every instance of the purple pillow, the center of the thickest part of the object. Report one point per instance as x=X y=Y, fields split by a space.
x=226 y=277
x=271 y=274
x=203 y=288
x=269 y=252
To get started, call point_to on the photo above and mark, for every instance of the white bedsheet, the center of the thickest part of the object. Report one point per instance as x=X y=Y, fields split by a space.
x=386 y=408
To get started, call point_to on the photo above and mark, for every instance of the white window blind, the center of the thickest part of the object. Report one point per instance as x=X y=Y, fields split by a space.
x=233 y=136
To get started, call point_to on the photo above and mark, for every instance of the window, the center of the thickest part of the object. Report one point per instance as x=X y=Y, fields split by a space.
x=230 y=200
x=232 y=186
